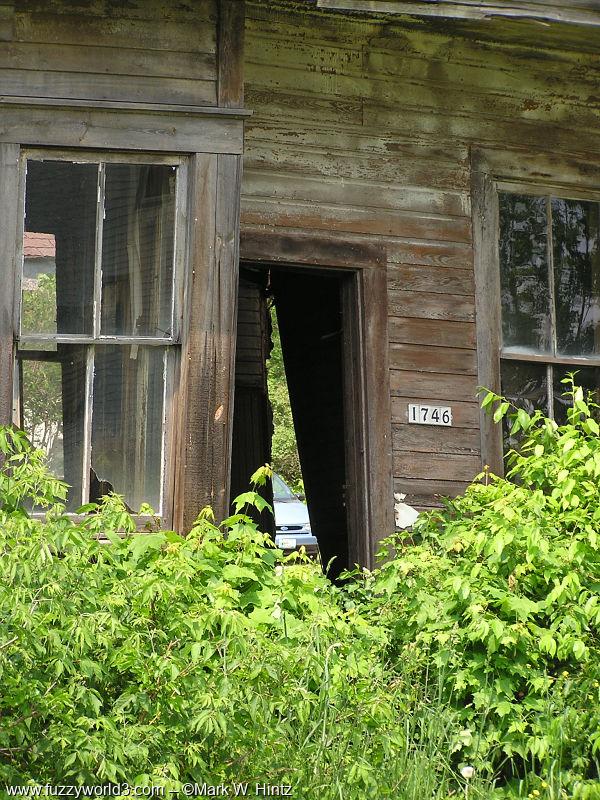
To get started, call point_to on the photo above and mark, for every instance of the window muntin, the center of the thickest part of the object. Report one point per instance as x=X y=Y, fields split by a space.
x=549 y=253
x=96 y=342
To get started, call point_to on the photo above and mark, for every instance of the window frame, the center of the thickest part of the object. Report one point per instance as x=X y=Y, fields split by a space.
x=530 y=173
x=172 y=343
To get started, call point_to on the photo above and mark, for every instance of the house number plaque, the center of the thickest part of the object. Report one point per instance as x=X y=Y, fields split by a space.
x=429 y=415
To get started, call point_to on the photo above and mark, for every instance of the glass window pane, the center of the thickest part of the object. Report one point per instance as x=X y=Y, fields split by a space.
x=127 y=428
x=524 y=285
x=52 y=399
x=137 y=250
x=576 y=239
x=524 y=385
x=59 y=247
x=588 y=378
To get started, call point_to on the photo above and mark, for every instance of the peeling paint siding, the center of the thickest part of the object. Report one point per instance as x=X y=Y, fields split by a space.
x=362 y=130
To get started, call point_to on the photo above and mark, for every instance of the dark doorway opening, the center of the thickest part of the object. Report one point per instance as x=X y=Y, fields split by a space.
x=318 y=318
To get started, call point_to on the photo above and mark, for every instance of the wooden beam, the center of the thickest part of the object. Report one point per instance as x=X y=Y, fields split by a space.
x=230 y=53
x=9 y=209
x=288 y=246
x=377 y=409
x=67 y=124
x=208 y=341
x=487 y=301
x=583 y=12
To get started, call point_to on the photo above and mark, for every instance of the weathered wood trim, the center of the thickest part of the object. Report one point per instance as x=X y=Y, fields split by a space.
x=124 y=105
x=529 y=172
x=208 y=349
x=229 y=181
x=193 y=406
x=230 y=53
x=9 y=214
x=117 y=128
x=585 y=13
x=376 y=409
x=487 y=301
x=294 y=247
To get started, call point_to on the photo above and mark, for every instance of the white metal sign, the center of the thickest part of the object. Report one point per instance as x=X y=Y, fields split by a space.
x=429 y=415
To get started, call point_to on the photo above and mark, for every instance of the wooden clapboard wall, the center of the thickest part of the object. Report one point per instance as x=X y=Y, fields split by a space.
x=143 y=51
x=361 y=133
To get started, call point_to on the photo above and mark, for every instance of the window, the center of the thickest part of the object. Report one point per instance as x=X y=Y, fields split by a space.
x=98 y=339
x=549 y=258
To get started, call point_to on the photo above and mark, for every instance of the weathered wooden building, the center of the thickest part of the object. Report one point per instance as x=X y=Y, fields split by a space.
x=419 y=186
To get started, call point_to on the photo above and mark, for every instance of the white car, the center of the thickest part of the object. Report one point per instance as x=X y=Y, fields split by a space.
x=292 y=523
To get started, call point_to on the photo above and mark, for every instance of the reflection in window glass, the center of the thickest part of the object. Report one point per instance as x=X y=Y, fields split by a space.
x=59 y=247
x=137 y=250
x=98 y=249
x=524 y=280
x=524 y=385
x=588 y=379
x=127 y=430
x=52 y=401
x=575 y=233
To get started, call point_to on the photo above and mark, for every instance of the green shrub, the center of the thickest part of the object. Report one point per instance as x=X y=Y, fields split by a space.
x=498 y=595
x=161 y=660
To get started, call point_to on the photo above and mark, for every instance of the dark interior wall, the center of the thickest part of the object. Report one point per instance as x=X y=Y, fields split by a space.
x=252 y=418
x=310 y=324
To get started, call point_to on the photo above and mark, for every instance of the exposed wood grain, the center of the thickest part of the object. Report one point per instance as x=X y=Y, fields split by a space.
x=430 y=305
x=413 y=171
x=354 y=142
x=419 y=492
x=302 y=247
x=433 y=332
x=45 y=27
x=355 y=219
x=578 y=13
x=209 y=350
x=436 y=466
x=9 y=192
x=266 y=183
x=377 y=409
x=193 y=487
x=321 y=109
x=451 y=255
x=464 y=414
x=513 y=129
x=230 y=53
x=435 y=386
x=116 y=128
x=439 y=280
x=182 y=11
x=487 y=283
x=433 y=359
x=94 y=86
x=424 y=439
x=105 y=60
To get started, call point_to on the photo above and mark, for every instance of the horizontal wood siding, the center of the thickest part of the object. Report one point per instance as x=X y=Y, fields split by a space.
x=361 y=135
x=146 y=51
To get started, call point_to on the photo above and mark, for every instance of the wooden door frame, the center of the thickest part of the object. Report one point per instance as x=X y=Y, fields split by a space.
x=368 y=443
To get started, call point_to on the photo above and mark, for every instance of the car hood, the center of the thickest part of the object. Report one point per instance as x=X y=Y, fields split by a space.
x=290 y=512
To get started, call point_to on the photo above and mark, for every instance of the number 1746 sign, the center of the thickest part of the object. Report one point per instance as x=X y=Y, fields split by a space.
x=429 y=415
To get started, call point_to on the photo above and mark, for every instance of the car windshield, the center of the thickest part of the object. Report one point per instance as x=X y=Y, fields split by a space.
x=281 y=491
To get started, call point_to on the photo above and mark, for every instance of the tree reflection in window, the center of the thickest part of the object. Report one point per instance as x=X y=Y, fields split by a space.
x=96 y=337
x=549 y=254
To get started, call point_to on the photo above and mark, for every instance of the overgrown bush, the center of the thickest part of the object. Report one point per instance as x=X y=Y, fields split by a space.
x=467 y=664
x=160 y=660
x=498 y=596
